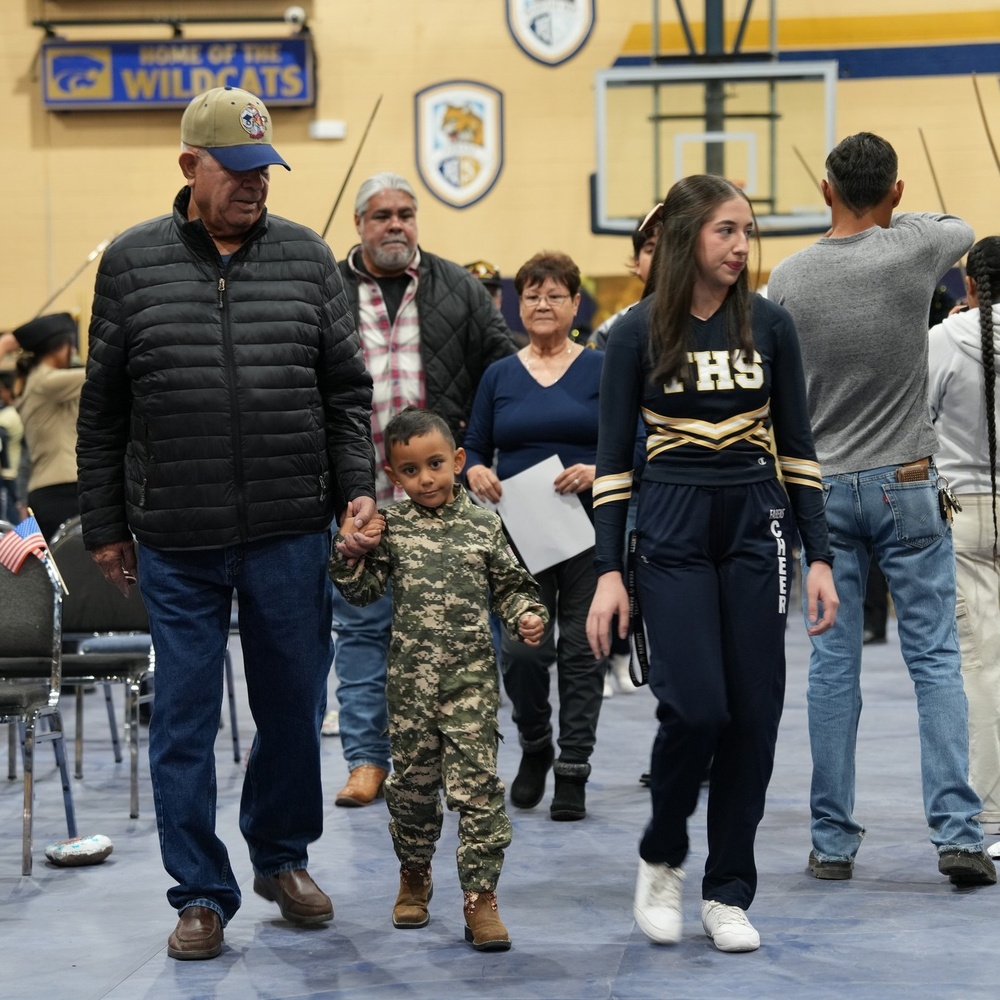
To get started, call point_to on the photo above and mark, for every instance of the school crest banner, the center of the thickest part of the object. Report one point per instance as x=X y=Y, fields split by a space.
x=551 y=31
x=459 y=136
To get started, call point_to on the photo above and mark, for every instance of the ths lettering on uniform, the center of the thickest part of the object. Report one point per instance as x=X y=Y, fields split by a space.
x=720 y=370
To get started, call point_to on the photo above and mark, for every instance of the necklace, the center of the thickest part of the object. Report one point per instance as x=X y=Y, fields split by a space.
x=526 y=357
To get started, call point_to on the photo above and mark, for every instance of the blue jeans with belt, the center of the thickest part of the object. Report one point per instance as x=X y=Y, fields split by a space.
x=900 y=524
x=285 y=618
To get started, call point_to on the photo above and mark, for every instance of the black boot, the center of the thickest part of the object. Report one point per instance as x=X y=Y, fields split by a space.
x=527 y=789
x=570 y=801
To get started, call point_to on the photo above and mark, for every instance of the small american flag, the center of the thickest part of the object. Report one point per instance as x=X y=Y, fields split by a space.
x=17 y=545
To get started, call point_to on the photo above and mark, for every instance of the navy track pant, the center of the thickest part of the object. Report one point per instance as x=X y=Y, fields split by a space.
x=713 y=572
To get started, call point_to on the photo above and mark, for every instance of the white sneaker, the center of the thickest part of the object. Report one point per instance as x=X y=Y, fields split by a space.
x=657 y=905
x=619 y=666
x=994 y=850
x=609 y=691
x=728 y=927
x=331 y=723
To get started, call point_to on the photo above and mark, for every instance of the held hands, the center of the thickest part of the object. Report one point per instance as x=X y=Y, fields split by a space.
x=531 y=628
x=820 y=591
x=117 y=563
x=610 y=599
x=575 y=479
x=356 y=542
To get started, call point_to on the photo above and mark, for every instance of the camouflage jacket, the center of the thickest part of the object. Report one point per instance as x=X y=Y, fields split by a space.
x=442 y=563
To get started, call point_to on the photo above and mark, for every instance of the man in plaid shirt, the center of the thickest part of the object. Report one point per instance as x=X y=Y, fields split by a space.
x=428 y=331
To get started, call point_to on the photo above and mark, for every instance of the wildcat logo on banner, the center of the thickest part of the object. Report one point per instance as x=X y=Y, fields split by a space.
x=551 y=31
x=459 y=132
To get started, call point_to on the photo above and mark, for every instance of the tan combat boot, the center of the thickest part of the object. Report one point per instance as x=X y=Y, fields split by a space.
x=415 y=891
x=483 y=927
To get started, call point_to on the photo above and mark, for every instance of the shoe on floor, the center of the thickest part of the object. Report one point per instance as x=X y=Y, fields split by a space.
x=528 y=786
x=363 y=786
x=619 y=667
x=657 y=903
x=994 y=850
x=728 y=927
x=484 y=929
x=299 y=898
x=198 y=934
x=837 y=869
x=331 y=723
x=967 y=867
x=415 y=892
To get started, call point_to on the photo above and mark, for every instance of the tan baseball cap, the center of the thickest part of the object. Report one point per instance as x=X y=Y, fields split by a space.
x=234 y=126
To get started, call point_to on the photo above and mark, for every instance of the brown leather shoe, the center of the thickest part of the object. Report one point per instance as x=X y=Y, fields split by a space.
x=198 y=934
x=484 y=929
x=299 y=898
x=363 y=786
x=415 y=891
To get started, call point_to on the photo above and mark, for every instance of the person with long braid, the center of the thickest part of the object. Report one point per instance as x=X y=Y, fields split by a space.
x=962 y=356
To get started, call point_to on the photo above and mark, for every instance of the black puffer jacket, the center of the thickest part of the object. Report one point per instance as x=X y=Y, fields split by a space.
x=223 y=403
x=461 y=334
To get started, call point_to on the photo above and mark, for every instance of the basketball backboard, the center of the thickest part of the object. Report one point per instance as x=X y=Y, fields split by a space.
x=766 y=126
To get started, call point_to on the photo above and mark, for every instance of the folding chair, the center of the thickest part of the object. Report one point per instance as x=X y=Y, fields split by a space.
x=30 y=667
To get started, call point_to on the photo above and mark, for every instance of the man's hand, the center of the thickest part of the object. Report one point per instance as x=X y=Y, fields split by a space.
x=117 y=562
x=531 y=628
x=821 y=595
x=356 y=542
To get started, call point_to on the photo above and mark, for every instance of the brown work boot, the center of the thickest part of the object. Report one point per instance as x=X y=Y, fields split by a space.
x=415 y=891
x=198 y=934
x=483 y=927
x=299 y=898
x=363 y=786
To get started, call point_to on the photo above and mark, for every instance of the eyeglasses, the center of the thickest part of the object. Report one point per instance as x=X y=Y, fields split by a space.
x=534 y=301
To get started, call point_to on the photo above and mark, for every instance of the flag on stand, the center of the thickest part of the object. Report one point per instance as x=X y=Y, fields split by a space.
x=16 y=545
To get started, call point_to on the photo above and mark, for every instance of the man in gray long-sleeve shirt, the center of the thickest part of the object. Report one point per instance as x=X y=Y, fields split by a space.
x=860 y=297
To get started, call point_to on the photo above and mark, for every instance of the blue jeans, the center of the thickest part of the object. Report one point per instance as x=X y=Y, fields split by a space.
x=360 y=658
x=869 y=513
x=285 y=614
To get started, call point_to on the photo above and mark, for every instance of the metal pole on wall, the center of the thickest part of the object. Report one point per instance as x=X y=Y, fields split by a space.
x=715 y=111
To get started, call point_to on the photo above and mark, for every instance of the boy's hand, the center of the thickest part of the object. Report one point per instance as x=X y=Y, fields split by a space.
x=531 y=628
x=375 y=527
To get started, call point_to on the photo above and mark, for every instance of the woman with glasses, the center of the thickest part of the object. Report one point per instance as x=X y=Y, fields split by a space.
x=539 y=403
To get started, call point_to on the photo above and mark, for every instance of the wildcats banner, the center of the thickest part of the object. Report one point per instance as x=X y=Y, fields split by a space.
x=459 y=137
x=141 y=75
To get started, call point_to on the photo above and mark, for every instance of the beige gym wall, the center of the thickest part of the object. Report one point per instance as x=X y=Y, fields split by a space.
x=76 y=178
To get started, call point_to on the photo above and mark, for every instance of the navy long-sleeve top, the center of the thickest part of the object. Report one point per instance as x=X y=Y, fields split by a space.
x=527 y=423
x=714 y=431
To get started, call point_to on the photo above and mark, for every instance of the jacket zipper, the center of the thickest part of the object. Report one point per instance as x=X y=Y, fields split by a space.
x=234 y=411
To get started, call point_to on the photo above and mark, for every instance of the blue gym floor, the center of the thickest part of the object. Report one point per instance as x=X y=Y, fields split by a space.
x=898 y=929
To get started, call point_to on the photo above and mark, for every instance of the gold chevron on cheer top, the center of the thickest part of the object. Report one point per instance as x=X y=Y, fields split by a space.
x=672 y=432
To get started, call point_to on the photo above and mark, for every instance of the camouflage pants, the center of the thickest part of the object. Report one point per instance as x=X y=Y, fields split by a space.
x=450 y=746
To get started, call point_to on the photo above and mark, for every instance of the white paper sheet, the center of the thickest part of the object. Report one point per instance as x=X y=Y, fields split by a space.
x=547 y=527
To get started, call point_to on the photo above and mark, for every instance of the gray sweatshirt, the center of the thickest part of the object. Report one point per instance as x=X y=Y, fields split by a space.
x=957 y=402
x=861 y=306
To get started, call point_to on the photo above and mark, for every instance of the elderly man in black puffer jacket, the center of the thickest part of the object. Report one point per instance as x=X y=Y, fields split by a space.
x=428 y=331
x=225 y=420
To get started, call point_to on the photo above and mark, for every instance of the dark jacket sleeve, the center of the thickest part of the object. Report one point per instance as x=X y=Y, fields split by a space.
x=103 y=424
x=346 y=388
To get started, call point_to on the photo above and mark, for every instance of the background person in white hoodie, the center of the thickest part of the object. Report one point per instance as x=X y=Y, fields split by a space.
x=963 y=353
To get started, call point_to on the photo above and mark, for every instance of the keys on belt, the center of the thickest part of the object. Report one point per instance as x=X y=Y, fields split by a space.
x=947 y=500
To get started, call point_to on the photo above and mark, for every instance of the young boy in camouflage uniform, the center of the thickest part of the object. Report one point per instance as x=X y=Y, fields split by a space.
x=443 y=555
